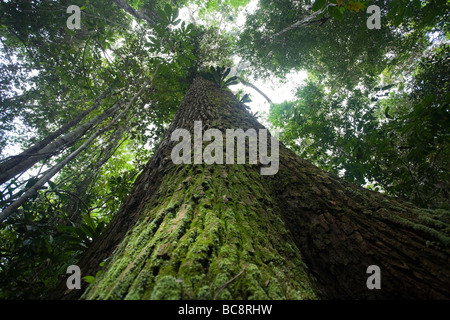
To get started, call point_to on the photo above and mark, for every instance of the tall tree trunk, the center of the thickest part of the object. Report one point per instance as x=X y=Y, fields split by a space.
x=33 y=150
x=226 y=231
x=67 y=140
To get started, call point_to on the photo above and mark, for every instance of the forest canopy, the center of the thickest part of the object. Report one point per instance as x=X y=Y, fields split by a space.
x=82 y=110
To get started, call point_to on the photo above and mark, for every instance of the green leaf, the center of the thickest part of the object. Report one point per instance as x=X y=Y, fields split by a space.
x=386 y=113
x=165 y=19
x=160 y=31
x=31 y=182
x=175 y=14
x=428 y=100
x=52 y=185
x=335 y=13
x=231 y=81
x=226 y=73
x=161 y=14
x=417 y=4
x=168 y=10
x=398 y=20
x=89 y=279
x=89 y=221
x=318 y=4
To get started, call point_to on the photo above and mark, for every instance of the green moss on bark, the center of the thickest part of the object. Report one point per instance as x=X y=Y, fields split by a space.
x=194 y=247
x=211 y=232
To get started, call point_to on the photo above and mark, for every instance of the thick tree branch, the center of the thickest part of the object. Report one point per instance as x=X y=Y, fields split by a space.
x=6 y=167
x=248 y=84
x=305 y=21
x=191 y=16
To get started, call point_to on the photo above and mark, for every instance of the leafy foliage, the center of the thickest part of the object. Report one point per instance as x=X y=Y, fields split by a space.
x=343 y=52
x=396 y=141
x=219 y=76
x=243 y=97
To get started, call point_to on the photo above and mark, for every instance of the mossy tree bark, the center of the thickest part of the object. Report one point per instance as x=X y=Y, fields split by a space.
x=227 y=232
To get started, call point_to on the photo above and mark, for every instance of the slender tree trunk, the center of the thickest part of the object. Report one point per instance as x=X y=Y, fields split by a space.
x=298 y=24
x=248 y=84
x=27 y=160
x=34 y=149
x=228 y=232
x=11 y=209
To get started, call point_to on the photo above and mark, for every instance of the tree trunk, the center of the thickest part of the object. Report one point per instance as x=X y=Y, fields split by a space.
x=228 y=232
x=30 y=158
x=7 y=165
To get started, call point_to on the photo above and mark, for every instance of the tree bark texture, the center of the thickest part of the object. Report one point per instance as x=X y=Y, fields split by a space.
x=227 y=232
